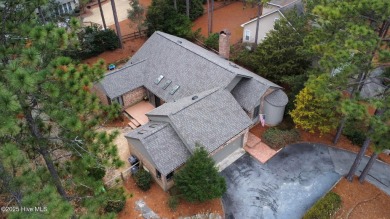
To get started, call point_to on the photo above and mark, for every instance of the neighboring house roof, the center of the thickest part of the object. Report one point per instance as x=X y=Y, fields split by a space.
x=211 y=118
x=281 y=3
x=163 y=145
x=284 y=6
x=123 y=80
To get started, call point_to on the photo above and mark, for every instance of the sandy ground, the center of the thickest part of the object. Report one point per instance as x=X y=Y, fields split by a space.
x=93 y=14
x=229 y=17
x=123 y=151
x=361 y=201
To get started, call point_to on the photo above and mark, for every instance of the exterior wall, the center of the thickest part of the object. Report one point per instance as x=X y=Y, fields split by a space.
x=134 y=96
x=100 y=94
x=266 y=25
x=273 y=114
x=66 y=6
x=137 y=149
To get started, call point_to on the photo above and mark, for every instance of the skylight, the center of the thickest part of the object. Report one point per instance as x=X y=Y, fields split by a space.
x=174 y=89
x=158 y=80
x=167 y=83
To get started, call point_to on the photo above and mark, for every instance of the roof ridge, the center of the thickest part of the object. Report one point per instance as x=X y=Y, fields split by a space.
x=158 y=32
x=125 y=67
x=154 y=131
x=195 y=101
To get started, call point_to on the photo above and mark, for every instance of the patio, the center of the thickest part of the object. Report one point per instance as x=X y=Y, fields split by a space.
x=257 y=149
x=137 y=113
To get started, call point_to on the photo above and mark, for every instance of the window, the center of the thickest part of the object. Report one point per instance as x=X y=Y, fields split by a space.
x=158 y=80
x=169 y=176
x=69 y=7
x=119 y=100
x=256 y=111
x=158 y=174
x=167 y=83
x=247 y=34
x=65 y=8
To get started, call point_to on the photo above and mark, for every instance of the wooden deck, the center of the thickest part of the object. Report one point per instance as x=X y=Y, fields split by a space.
x=139 y=110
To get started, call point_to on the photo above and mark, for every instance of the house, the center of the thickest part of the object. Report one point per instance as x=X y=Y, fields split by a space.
x=197 y=96
x=66 y=6
x=274 y=10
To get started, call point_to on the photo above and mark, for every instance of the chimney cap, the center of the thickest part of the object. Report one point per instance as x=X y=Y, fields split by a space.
x=225 y=31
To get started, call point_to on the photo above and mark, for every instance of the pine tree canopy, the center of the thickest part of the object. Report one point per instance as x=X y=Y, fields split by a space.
x=48 y=137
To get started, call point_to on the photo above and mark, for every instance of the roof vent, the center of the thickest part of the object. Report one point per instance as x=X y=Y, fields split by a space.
x=179 y=41
x=143 y=131
x=233 y=65
x=194 y=97
x=152 y=126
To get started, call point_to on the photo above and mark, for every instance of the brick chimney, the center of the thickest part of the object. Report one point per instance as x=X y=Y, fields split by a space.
x=224 y=46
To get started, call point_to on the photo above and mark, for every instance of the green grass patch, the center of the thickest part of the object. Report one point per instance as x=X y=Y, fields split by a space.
x=325 y=207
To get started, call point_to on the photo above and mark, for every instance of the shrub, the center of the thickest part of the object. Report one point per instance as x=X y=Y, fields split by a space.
x=325 y=207
x=355 y=132
x=143 y=179
x=116 y=200
x=173 y=202
x=96 y=173
x=199 y=180
x=212 y=41
x=93 y=42
x=277 y=138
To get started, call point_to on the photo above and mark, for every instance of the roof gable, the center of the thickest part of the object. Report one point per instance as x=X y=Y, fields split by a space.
x=212 y=121
x=123 y=80
x=162 y=144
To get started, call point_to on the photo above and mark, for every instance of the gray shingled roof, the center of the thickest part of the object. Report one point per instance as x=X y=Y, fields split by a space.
x=212 y=121
x=296 y=4
x=173 y=107
x=123 y=80
x=281 y=3
x=163 y=145
x=190 y=66
x=277 y=98
x=248 y=93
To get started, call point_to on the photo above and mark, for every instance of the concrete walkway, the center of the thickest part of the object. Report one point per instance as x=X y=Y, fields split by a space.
x=291 y=182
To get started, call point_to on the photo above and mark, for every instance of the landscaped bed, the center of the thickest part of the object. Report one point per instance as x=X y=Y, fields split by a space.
x=361 y=201
x=156 y=199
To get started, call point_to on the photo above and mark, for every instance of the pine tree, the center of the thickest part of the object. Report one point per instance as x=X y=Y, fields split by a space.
x=199 y=180
x=49 y=116
x=136 y=14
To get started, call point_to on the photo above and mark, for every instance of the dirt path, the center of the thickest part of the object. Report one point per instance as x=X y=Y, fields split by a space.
x=230 y=17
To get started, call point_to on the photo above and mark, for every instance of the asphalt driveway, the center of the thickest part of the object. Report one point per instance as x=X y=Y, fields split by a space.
x=291 y=182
